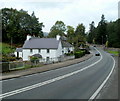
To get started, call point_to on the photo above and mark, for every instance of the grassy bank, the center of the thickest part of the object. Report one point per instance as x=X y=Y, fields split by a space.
x=5 y=48
x=116 y=53
x=5 y=51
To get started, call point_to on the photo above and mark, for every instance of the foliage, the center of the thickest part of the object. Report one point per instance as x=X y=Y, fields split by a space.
x=114 y=52
x=5 y=52
x=70 y=34
x=79 y=53
x=79 y=38
x=34 y=59
x=76 y=36
x=69 y=54
x=107 y=33
x=80 y=30
x=113 y=32
x=91 y=36
x=8 y=58
x=6 y=49
x=101 y=31
x=17 y=24
x=58 y=28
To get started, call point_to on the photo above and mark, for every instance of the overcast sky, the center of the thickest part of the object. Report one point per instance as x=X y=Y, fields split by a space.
x=71 y=12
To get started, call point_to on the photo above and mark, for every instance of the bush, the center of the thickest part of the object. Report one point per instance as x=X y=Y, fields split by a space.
x=7 y=59
x=86 y=51
x=34 y=59
x=79 y=54
x=69 y=54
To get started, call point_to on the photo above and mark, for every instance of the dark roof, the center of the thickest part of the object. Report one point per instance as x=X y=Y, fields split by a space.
x=42 y=43
x=18 y=49
x=66 y=44
x=37 y=55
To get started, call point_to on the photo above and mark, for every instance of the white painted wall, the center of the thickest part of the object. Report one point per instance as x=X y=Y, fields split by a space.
x=43 y=53
x=65 y=49
x=20 y=54
x=71 y=48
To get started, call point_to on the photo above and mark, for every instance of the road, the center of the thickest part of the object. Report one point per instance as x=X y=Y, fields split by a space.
x=78 y=81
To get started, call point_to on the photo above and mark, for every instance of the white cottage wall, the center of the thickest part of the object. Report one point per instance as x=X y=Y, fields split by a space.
x=43 y=53
x=20 y=54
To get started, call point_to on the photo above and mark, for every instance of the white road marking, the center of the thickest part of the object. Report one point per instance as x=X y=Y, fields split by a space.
x=104 y=82
x=47 y=82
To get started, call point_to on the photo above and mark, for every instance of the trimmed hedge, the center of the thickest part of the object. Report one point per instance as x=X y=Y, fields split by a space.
x=79 y=54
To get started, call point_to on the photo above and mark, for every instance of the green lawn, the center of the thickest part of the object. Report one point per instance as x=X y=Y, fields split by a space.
x=113 y=52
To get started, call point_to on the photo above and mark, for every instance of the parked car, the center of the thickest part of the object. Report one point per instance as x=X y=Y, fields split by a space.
x=97 y=54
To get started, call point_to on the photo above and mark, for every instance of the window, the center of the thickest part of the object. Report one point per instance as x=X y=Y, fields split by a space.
x=39 y=50
x=48 y=50
x=31 y=50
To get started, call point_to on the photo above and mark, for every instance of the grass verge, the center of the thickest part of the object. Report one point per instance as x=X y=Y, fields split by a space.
x=116 y=53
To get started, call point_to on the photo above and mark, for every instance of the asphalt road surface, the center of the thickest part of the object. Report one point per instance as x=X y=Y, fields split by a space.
x=78 y=81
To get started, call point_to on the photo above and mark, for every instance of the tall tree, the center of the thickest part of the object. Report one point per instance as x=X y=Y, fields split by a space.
x=70 y=34
x=80 y=30
x=79 y=35
x=58 y=28
x=113 y=33
x=91 y=35
x=101 y=34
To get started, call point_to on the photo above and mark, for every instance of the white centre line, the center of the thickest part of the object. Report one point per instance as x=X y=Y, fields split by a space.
x=48 y=81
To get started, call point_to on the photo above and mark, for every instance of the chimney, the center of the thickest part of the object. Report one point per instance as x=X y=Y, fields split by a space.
x=58 y=37
x=28 y=37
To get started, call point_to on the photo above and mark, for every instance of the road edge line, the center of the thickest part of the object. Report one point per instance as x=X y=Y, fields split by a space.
x=104 y=82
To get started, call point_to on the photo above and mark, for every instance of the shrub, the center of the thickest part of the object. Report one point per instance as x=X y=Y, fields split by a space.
x=34 y=59
x=79 y=54
x=7 y=59
x=86 y=51
x=69 y=54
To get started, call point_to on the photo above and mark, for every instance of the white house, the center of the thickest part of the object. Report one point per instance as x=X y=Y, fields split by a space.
x=47 y=48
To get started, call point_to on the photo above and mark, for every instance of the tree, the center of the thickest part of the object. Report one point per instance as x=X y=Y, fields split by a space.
x=107 y=33
x=70 y=34
x=79 y=35
x=101 y=34
x=80 y=30
x=17 y=24
x=91 y=35
x=113 y=33
x=58 y=28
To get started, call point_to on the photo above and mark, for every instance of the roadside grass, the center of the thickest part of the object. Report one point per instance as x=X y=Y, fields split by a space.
x=116 y=53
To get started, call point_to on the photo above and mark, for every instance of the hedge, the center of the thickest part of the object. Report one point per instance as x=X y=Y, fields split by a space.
x=79 y=54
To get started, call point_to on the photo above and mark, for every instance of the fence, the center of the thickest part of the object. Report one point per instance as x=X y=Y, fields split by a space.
x=9 y=66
